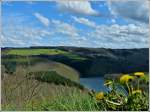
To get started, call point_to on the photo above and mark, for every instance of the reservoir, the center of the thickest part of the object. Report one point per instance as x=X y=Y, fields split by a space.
x=95 y=83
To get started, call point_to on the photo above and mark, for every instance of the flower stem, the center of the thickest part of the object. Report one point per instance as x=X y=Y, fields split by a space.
x=115 y=103
x=128 y=87
x=138 y=84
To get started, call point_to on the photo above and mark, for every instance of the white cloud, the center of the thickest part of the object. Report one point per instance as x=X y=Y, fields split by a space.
x=84 y=21
x=112 y=36
x=64 y=28
x=16 y=33
x=42 y=19
x=120 y=36
x=136 y=10
x=22 y=35
x=80 y=7
x=30 y=2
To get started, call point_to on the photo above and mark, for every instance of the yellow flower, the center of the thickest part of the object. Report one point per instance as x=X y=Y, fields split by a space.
x=126 y=78
x=139 y=74
x=100 y=96
x=136 y=91
x=107 y=83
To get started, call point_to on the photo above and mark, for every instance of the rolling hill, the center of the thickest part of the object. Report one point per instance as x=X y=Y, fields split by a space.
x=89 y=62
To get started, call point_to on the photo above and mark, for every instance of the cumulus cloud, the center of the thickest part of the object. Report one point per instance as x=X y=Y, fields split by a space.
x=80 y=7
x=112 y=36
x=21 y=35
x=84 y=21
x=115 y=36
x=16 y=33
x=42 y=19
x=120 y=36
x=136 y=10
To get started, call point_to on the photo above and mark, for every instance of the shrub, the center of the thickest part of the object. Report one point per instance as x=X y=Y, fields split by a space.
x=53 y=77
x=10 y=67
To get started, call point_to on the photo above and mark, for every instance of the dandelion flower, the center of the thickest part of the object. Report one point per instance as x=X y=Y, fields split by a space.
x=136 y=91
x=126 y=78
x=100 y=96
x=139 y=74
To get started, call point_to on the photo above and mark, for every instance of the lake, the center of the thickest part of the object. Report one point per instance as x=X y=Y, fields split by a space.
x=96 y=83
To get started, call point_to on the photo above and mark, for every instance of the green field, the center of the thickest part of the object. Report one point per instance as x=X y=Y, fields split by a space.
x=28 y=52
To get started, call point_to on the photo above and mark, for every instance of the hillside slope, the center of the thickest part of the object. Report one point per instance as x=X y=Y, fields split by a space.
x=11 y=65
x=60 y=68
x=91 y=62
x=102 y=61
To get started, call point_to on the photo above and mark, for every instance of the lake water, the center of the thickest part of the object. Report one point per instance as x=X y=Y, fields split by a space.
x=96 y=83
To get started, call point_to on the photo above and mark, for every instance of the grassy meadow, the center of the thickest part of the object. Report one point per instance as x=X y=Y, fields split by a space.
x=28 y=52
x=40 y=84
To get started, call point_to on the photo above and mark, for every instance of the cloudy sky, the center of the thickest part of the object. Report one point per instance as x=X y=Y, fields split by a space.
x=108 y=24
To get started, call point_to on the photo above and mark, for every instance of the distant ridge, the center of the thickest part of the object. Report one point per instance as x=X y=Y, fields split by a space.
x=66 y=47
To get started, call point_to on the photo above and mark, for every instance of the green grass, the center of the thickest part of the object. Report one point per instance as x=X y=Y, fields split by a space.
x=74 y=100
x=28 y=52
x=70 y=100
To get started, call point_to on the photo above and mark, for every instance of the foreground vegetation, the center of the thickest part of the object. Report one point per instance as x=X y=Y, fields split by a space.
x=122 y=96
x=126 y=93
x=26 y=91
x=47 y=92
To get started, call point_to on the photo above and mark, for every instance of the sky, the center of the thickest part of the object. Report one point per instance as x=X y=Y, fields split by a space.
x=98 y=24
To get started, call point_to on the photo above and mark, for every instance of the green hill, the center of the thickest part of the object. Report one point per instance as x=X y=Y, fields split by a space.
x=31 y=64
x=89 y=62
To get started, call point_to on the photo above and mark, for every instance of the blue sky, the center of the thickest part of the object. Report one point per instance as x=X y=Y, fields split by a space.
x=107 y=24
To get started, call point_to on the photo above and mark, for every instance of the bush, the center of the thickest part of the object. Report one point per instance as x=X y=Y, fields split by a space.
x=53 y=77
x=10 y=67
